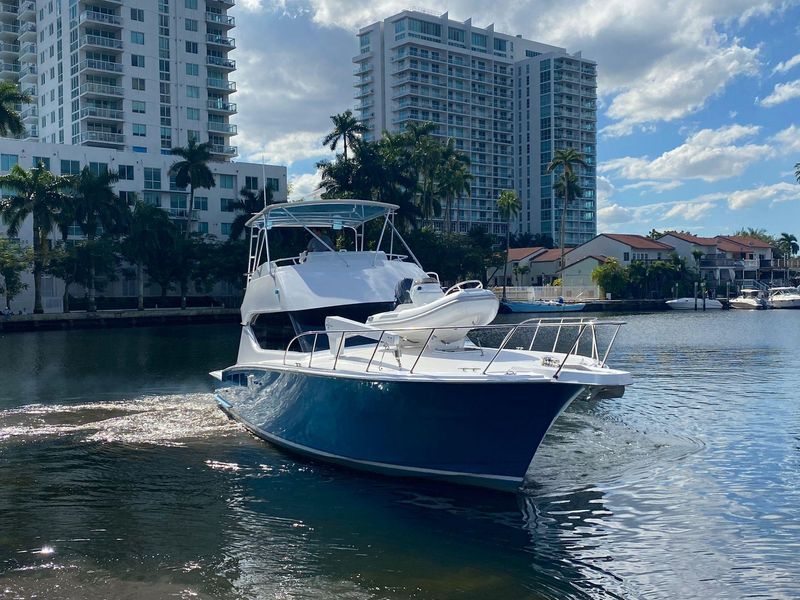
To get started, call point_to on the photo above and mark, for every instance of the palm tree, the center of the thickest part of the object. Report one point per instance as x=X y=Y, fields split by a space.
x=249 y=202
x=10 y=97
x=192 y=171
x=453 y=178
x=149 y=232
x=97 y=207
x=787 y=244
x=509 y=206
x=567 y=159
x=39 y=193
x=346 y=128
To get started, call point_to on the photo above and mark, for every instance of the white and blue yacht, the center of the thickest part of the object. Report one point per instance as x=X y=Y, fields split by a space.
x=388 y=372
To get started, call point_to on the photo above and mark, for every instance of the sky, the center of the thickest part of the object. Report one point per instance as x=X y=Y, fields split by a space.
x=699 y=100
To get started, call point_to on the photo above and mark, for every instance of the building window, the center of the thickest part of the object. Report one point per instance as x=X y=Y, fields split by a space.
x=193 y=135
x=137 y=14
x=251 y=183
x=138 y=107
x=201 y=202
x=274 y=184
x=137 y=60
x=626 y=256
x=152 y=178
x=140 y=149
x=137 y=83
x=98 y=168
x=126 y=172
x=193 y=114
x=202 y=227
x=139 y=129
x=191 y=47
x=192 y=69
x=41 y=160
x=190 y=3
x=152 y=198
x=191 y=24
x=225 y=228
x=137 y=37
x=7 y=161
x=226 y=204
x=70 y=167
x=227 y=182
x=128 y=198
x=192 y=91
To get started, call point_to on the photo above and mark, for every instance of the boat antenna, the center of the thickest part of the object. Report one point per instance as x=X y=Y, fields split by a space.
x=264 y=178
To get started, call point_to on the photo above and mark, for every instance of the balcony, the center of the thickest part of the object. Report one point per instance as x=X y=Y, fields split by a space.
x=221 y=106
x=226 y=3
x=9 y=48
x=100 y=41
x=94 y=16
x=27 y=53
x=29 y=113
x=27 y=71
x=226 y=128
x=27 y=31
x=103 y=66
x=31 y=90
x=220 y=19
x=220 y=40
x=26 y=10
x=218 y=61
x=101 y=137
x=96 y=112
x=181 y=213
x=224 y=150
x=221 y=84
x=101 y=89
x=9 y=71
x=8 y=10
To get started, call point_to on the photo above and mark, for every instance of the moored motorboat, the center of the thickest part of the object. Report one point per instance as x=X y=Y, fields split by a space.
x=695 y=304
x=426 y=389
x=542 y=306
x=749 y=299
x=784 y=297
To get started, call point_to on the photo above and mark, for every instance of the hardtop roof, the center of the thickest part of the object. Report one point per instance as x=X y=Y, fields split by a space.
x=335 y=213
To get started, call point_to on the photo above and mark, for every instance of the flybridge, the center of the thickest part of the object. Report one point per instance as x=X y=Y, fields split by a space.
x=337 y=215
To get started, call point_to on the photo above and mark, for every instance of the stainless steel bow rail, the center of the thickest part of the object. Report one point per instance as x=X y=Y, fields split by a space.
x=392 y=340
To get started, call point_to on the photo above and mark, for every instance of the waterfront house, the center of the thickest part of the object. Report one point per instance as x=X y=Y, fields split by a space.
x=579 y=273
x=545 y=266
x=517 y=257
x=626 y=248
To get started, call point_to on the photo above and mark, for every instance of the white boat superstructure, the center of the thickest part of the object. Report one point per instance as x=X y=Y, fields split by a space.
x=749 y=299
x=784 y=297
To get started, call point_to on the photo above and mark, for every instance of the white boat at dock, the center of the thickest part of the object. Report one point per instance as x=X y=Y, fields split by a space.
x=749 y=299
x=695 y=304
x=784 y=297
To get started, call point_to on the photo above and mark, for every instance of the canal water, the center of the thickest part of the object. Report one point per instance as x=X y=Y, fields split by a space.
x=120 y=479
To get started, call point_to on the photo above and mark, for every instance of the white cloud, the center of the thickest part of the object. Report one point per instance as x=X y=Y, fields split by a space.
x=613 y=214
x=777 y=192
x=783 y=67
x=782 y=92
x=689 y=211
x=304 y=185
x=652 y=186
x=286 y=149
x=709 y=155
x=787 y=140
x=605 y=189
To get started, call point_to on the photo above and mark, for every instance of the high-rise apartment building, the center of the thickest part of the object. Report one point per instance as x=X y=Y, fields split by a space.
x=506 y=101
x=123 y=74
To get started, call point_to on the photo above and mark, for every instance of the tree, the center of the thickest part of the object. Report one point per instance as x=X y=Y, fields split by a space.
x=509 y=206
x=611 y=277
x=758 y=234
x=567 y=160
x=346 y=128
x=249 y=202
x=69 y=263
x=10 y=98
x=655 y=234
x=787 y=245
x=98 y=209
x=192 y=171
x=14 y=261
x=39 y=193
x=149 y=232
x=453 y=178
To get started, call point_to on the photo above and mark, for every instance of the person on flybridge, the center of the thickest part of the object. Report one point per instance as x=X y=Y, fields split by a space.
x=320 y=241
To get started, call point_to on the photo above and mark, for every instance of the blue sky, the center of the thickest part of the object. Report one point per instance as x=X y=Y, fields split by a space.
x=699 y=114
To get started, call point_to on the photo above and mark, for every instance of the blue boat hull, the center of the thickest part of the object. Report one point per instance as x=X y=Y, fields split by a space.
x=537 y=307
x=481 y=434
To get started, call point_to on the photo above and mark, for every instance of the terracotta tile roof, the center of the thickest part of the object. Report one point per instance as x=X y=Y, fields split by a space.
x=515 y=254
x=739 y=243
x=639 y=242
x=551 y=255
x=692 y=239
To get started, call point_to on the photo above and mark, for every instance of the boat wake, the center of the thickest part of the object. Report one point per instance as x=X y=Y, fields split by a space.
x=163 y=420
